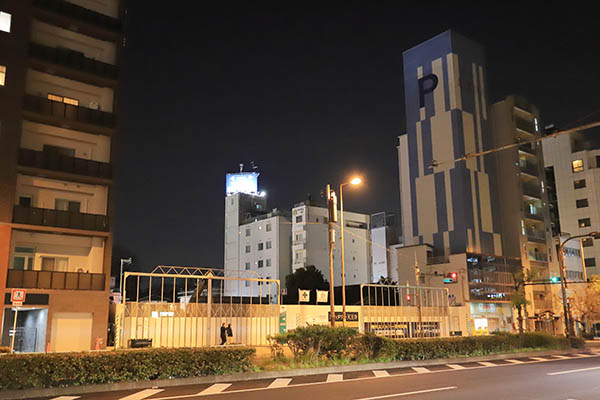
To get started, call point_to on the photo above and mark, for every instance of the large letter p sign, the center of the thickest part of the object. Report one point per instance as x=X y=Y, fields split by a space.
x=425 y=87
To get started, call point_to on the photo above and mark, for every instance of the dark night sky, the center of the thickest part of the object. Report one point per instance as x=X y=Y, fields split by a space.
x=310 y=94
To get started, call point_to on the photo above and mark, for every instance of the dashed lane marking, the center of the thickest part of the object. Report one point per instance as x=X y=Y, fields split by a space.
x=487 y=364
x=420 y=370
x=408 y=393
x=142 y=395
x=335 y=377
x=456 y=366
x=573 y=371
x=539 y=358
x=516 y=361
x=582 y=355
x=280 y=382
x=381 y=373
x=214 y=389
x=561 y=357
x=66 y=398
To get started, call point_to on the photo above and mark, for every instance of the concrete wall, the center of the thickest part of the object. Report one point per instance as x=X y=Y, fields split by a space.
x=106 y=7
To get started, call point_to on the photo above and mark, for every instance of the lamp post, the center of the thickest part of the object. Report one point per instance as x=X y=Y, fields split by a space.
x=332 y=211
x=569 y=327
x=354 y=181
x=123 y=261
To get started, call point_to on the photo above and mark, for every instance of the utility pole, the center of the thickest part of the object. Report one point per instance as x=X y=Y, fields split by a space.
x=418 y=279
x=332 y=207
x=563 y=288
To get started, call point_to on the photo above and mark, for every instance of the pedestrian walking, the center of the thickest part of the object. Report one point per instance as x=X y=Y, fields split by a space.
x=223 y=334
x=229 y=334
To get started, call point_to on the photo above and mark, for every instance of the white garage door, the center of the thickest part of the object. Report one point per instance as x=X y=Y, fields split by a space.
x=71 y=332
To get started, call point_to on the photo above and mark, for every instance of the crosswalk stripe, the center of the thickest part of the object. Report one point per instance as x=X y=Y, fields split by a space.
x=142 y=395
x=561 y=357
x=66 y=398
x=381 y=373
x=487 y=364
x=280 y=382
x=516 y=361
x=420 y=370
x=455 y=366
x=539 y=358
x=335 y=377
x=216 y=388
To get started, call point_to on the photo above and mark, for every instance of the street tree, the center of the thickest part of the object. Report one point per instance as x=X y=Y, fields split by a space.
x=518 y=298
x=306 y=278
x=585 y=303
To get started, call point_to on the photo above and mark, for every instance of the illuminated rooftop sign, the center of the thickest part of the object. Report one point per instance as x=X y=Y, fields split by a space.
x=242 y=182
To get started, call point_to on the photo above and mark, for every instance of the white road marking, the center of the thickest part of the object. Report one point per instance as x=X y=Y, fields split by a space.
x=142 y=395
x=583 y=355
x=516 y=361
x=573 y=371
x=539 y=358
x=214 y=389
x=335 y=377
x=66 y=398
x=408 y=393
x=487 y=364
x=561 y=357
x=280 y=382
x=455 y=366
x=420 y=370
x=381 y=373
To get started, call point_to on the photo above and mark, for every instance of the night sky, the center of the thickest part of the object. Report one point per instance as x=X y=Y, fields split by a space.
x=310 y=92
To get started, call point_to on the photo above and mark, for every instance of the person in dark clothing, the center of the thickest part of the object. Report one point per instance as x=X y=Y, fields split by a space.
x=230 y=333
x=223 y=334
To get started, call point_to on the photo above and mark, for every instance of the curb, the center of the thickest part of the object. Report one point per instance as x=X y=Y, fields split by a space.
x=248 y=376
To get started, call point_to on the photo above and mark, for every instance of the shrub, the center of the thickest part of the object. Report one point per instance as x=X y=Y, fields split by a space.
x=71 y=369
x=4 y=349
x=316 y=341
x=577 y=342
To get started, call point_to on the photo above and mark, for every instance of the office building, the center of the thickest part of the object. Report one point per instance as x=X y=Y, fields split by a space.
x=59 y=120
x=573 y=172
x=383 y=236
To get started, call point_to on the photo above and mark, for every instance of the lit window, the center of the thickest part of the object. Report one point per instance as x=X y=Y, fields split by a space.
x=577 y=165
x=54 y=97
x=61 y=99
x=2 y=74
x=584 y=222
x=5 y=21
x=73 y=102
x=581 y=203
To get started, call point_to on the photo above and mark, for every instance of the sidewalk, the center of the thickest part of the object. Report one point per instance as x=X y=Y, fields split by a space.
x=251 y=376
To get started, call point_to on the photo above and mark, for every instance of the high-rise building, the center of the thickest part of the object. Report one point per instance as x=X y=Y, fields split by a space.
x=59 y=101
x=573 y=169
x=383 y=235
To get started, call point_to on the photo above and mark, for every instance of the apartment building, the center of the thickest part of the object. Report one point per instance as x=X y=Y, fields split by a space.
x=59 y=118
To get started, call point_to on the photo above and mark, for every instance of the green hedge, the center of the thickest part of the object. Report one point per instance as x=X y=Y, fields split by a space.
x=70 y=369
x=323 y=342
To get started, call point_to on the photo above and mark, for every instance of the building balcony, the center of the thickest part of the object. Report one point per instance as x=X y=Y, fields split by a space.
x=525 y=126
x=528 y=149
x=72 y=11
x=60 y=219
x=538 y=256
x=55 y=280
x=530 y=169
x=532 y=191
x=57 y=162
x=74 y=60
x=70 y=116
x=536 y=236
x=534 y=213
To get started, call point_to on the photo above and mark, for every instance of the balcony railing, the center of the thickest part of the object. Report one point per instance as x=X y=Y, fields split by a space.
x=530 y=169
x=536 y=236
x=534 y=213
x=44 y=106
x=524 y=125
x=60 y=219
x=532 y=191
x=527 y=148
x=27 y=279
x=57 y=162
x=74 y=11
x=533 y=256
x=73 y=59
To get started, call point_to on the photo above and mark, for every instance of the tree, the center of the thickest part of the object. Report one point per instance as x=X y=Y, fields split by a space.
x=585 y=302
x=307 y=278
x=518 y=299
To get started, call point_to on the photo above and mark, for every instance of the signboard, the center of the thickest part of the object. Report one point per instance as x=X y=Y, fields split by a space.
x=481 y=326
x=351 y=318
x=17 y=297
x=243 y=182
x=282 y=322
x=303 y=295
x=323 y=297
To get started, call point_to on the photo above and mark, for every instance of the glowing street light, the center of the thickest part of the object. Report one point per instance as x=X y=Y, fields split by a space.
x=355 y=181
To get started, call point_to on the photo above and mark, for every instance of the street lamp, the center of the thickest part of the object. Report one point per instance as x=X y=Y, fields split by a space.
x=354 y=181
x=123 y=261
x=569 y=327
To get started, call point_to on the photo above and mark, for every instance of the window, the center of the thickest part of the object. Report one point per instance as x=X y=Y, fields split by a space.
x=260 y=246
x=597 y=161
x=298 y=218
x=581 y=203
x=587 y=242
x=67 y=205
x=268 y=227
x=247 y=265
x=25 y=201
x=247 y=283
x=247 y=232
x=62 y=99
x=2 y=75
x=261 y=263
x=577 y=165
x=579 y=184
x=58 y=150
x=24 y=257
x=268 y=244
x=268 y=262
x=590 y=262
x=5 y=21
x=55 y=264
x=248 y=249
x=584 y=222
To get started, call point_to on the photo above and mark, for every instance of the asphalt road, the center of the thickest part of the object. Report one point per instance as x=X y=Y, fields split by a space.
x=572 y=377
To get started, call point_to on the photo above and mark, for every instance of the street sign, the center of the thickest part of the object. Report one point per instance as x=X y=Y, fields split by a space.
x=17 y=297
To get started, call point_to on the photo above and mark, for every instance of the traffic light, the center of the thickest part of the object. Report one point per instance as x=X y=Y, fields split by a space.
x=408 y=298
x=451 y=277
x=555 y=279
